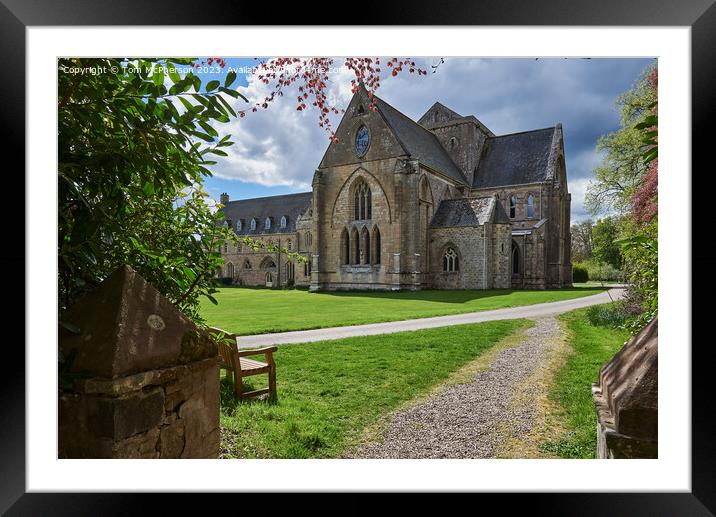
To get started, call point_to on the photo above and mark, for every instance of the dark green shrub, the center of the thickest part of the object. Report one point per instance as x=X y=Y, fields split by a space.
x=226 y=280
x=612 y=315
x=580 y=274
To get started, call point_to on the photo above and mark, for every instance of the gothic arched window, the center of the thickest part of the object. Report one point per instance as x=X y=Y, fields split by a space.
x=239 y=225
x=230 y=270
x=530 y=206
x=345 y=248
x=513 y=206
x=247 y=264
x=376 y=245
x=253 y=224
x=362 y=202
x=355 y=247
x=450 y=261
x=267 y=223
x=365 y=241
x=284 y=221
x=515 y=259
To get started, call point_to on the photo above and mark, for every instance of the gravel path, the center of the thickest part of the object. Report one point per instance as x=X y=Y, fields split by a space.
x=469 y=420
x=538 y=310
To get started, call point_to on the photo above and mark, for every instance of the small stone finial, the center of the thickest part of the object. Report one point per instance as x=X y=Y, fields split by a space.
x=224 y=199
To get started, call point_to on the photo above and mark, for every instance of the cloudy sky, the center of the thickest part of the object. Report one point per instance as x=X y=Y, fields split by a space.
x=278 y=149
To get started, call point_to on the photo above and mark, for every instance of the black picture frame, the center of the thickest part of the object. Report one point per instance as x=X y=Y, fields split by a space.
x=700 y=15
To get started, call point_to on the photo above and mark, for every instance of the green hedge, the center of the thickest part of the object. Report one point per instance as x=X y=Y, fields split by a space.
x=580 y=274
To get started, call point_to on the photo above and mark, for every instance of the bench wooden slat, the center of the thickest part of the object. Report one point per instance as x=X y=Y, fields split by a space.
x=237 y=365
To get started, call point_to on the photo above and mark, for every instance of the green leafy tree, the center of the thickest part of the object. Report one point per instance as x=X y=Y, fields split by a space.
x=135 y=140
x=604 y=236
x=581 y=233
x=640 y=248
x=622 y=170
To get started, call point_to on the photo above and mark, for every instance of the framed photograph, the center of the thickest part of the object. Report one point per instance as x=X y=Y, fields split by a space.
x=434 y=269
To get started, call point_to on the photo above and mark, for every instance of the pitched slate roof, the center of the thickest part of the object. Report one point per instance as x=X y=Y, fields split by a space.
x=515 y=159
x=289 y=205
x=448 y=115
x=449 y=118
x=419 y=142
x=468 y=212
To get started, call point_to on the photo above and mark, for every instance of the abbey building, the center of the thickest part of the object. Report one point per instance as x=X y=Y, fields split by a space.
x=441 y=203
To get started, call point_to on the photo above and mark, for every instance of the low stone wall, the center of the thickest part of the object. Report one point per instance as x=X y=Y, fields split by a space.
x=137 y=378
x=626 y=399
x=167 y=413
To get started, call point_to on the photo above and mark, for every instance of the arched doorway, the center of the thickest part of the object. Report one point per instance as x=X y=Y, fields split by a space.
x=269 y=279
x=516 y=265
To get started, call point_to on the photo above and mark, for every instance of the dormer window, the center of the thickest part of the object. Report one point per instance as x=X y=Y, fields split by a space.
x=239 y=226
x=284 y=221
x=267 y=223
x=253 y=225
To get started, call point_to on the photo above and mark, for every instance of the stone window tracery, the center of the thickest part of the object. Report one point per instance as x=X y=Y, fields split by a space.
x=362 y=202
x=451 y=262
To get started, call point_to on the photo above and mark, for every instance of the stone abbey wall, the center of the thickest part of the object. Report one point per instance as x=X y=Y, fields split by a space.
x=137 y=379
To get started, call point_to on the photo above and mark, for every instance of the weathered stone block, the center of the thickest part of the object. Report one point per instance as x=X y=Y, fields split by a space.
x=171 y=440
x=143 y=445
x=626 y=399
x=139 y=329
x=125 y=416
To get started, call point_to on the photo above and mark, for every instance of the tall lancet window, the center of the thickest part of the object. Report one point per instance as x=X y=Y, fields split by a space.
x=362 y=202
x=513 y=206
x=376 y=245
x=530 y=206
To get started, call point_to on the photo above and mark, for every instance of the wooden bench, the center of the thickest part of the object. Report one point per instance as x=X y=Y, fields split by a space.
x=238 y=366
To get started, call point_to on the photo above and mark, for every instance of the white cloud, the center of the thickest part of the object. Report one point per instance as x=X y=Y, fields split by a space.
x=282 y=147
x=279 y=146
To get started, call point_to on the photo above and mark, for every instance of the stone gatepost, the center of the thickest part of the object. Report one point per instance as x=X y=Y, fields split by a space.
x=626 y=399
x=137 y=378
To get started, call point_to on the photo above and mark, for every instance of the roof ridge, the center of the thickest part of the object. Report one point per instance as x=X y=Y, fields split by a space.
x=271 y=197
x=422 y=129
x=523 y=132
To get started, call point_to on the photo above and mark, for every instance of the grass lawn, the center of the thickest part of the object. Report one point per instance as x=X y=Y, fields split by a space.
x=330 y=391
x=256 y=311
x=572 y=393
